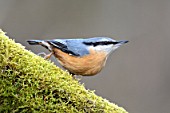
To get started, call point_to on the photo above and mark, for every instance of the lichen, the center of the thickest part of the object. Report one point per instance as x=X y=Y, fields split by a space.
x=29 y=84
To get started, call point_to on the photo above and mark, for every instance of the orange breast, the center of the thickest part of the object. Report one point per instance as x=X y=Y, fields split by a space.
x=87 y=65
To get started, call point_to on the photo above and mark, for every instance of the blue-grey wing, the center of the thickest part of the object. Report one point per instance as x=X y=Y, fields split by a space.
x=77 y=46
x=70 y=46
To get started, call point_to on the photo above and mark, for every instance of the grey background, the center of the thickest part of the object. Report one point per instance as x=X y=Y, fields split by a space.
x=137 y=75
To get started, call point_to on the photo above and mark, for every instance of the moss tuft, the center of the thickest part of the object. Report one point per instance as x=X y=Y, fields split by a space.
x=28 y=83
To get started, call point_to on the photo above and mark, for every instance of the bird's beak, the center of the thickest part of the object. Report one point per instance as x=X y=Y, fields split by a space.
x=122 y=41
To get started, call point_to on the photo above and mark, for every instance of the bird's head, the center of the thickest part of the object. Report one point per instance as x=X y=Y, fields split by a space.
x=103 y=44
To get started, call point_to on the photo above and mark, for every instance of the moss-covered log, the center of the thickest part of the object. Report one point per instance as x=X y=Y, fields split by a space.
x=28 y=84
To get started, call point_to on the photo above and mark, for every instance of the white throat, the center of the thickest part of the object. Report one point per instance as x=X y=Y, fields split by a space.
x=104 y=48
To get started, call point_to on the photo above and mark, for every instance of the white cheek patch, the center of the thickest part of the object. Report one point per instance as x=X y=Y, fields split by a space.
x=103 y=48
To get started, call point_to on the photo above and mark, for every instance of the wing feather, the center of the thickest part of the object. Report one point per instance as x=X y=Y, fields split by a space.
x=70 y=46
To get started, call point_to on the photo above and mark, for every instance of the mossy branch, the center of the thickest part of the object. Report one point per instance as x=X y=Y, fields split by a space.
x=28 y=83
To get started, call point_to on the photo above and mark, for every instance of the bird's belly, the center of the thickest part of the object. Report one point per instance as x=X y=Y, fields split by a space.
x=87 y=65
x=82 y=66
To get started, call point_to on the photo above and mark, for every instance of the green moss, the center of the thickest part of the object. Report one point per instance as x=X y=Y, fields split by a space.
x=28 y=83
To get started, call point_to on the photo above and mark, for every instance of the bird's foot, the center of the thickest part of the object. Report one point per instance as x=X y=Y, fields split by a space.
x=75 y=77
x=42 y=54
x=46 y=56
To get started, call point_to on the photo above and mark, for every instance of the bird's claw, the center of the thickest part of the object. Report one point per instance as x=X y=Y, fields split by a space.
x=42 y=54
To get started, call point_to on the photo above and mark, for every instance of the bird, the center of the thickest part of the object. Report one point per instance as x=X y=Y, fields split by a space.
x=80 y=56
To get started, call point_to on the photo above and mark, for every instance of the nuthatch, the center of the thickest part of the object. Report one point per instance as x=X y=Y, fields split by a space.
x=80 y=56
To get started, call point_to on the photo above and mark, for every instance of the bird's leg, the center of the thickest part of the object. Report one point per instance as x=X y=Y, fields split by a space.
x=79 y=77
x=75 y=77
x=48 y=55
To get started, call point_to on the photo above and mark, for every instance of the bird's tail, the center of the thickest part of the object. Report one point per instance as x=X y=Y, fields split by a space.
x=35 y=42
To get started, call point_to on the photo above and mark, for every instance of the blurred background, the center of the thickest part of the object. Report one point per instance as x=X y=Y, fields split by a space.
x=137 y=75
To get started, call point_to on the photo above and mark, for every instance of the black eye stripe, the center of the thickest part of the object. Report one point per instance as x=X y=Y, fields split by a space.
x=99 y=43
